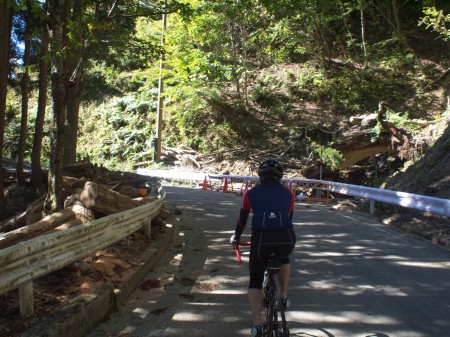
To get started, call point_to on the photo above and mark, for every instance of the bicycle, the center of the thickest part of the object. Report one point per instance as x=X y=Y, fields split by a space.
x=272 y=326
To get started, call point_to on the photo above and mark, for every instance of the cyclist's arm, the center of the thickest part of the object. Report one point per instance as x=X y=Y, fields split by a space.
x=242 y=222
x=291 y=212
x=243 y=217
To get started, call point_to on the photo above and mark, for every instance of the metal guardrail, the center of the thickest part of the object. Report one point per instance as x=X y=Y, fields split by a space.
x=22 y=263
x=420 y=202
x=434 y=205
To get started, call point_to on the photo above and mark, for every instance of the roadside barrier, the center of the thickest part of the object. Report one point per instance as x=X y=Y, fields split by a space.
x=325 y=188
x=28 y=260
x=318 y=188
x=415 y=201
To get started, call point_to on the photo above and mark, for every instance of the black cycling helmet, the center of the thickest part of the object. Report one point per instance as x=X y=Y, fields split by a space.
x=270 y=168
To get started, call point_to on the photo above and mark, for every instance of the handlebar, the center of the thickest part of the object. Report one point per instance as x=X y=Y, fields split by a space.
x=238 y=251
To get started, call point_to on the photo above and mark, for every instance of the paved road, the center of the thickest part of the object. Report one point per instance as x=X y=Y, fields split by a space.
x=353 y=277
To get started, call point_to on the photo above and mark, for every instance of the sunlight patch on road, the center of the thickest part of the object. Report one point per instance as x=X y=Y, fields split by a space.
x=385 y=290
x=229 y=292
x=321 y=254
x=141 y=312
x=423 y=264
x=343 y=317
x=128 y=330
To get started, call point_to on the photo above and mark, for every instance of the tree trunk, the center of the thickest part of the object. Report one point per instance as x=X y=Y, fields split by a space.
x=25 y=91
x=71 y=128
x=55 y=197
x=353 y=156
x=4 y=48
x=362 y=5
x=74 y=90
x=36 y=169
x=396 y=17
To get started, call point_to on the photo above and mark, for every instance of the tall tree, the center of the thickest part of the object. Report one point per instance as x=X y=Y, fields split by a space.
x=93 y=24
x=4 y=48
x=76 y=63
x=36 y=168
x=57 y=20
x=25 y=92
x=362 y=5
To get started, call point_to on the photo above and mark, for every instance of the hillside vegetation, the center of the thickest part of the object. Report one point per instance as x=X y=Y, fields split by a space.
x=353 y=91
x=296 y=106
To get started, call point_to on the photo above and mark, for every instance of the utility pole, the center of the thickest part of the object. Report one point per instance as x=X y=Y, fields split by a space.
x=157 y=155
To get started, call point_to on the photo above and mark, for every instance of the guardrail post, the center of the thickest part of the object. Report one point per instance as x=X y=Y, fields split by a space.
x=328 y=196
x=26 y=299
x=148 y=229
x=372 y=207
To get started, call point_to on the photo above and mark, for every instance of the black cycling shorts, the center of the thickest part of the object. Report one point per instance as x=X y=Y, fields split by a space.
x=264 y=243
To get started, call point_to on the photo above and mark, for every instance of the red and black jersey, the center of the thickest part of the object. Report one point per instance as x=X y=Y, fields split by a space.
x=272 y=206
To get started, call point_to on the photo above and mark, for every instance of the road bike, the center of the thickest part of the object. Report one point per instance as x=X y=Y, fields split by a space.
x=275 y=324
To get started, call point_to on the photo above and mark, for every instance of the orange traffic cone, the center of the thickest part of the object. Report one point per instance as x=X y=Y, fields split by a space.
x=225 y=185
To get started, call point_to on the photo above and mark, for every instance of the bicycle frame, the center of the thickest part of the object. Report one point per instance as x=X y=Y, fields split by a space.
x=271 y=327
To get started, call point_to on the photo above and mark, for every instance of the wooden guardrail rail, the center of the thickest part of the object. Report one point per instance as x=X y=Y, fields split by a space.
x=22 y=263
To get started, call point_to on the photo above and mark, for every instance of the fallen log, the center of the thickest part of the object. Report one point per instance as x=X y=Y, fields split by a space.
x=82 y=213
x=27 y=232
x=82 y=170
x=69 y=224
x=354 y=156
x=33 y=211
x=101 y=199
x=74 y=213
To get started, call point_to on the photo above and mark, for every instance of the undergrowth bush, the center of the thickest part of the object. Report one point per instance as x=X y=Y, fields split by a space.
x=124 y=130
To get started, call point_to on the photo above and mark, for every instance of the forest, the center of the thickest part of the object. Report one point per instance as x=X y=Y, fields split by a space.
x=339 y=83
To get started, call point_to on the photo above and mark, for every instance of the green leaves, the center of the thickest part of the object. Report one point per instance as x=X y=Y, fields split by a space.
x=437 y=21
x=330 y=157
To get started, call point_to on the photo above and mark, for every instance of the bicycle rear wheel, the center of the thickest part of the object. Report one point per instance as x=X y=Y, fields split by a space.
x=269 y=324
x=283 y=330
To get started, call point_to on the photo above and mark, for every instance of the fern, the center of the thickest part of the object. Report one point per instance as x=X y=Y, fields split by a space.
x=330 y=157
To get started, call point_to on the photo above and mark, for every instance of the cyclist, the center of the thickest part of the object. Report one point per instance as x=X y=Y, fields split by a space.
x=272 y=207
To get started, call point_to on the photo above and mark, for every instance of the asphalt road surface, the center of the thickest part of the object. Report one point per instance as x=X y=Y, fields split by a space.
x=352 y=277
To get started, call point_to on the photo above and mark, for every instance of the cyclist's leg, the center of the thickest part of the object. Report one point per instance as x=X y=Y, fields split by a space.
x=285 y=250
x=255 y=300
x=285 y=275
x=256 y=269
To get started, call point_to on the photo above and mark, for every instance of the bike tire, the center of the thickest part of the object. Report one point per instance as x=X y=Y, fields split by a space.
x=283 y=329
x=268 y=326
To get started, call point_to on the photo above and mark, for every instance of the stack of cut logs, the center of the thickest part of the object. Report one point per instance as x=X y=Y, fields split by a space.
x=104 y=193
